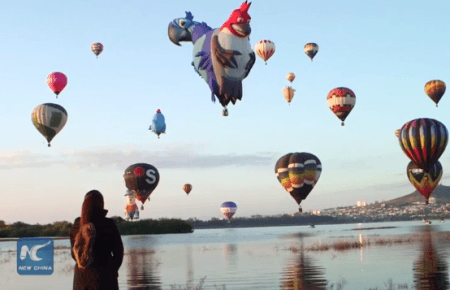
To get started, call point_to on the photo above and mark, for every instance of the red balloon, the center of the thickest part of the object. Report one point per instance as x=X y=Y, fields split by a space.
x=57 y=82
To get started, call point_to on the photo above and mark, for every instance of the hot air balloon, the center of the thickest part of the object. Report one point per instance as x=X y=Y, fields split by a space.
x=97 y=48
x=423 y=141
x=228 y=209
x=141 y=179
x=49 y=119
x=158 y=125
x=290 y=77
x=424 y=182
x=187 y=188
x=57 y=82
x=311 y=49
x=288 y=93
x=265 y=49
x=341 y=101
x=435 y=89
x=298 y=173
x=397 y=132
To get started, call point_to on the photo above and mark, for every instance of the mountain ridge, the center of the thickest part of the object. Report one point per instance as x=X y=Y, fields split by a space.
x=441 y=194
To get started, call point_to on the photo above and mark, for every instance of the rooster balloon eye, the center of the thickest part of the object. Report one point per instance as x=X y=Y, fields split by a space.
x=240 y=19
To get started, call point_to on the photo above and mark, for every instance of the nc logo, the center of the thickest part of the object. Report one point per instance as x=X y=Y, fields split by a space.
x=32 y=252
x=35 y=256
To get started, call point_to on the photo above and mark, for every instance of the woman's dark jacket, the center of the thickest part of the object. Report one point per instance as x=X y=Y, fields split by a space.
x=107 y=255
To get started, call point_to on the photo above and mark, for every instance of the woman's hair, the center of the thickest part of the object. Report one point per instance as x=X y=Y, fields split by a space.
x=93 y=203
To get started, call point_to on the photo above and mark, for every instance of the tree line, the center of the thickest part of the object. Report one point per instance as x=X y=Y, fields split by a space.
x=62 y=228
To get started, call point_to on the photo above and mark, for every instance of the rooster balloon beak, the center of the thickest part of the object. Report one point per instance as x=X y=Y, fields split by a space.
x=243 y=29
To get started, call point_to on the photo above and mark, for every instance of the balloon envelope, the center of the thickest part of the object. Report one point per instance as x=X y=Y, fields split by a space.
x=423 y=141
x=49 y=119
x=288 y=93
x=228 y=209
x=57 y=82
x=290 y=77
x=187 y=188
x=158 y=124
x=341 y=102
x=97 y=48
x=311 y=49
x=265 y=49
x=141 y=179
x=424 y=182
x=298 y=173
x=435 y=89
x=397 y=132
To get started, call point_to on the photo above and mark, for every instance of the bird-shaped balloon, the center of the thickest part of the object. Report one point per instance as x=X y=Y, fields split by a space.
x=158 y=125
x=223 y=57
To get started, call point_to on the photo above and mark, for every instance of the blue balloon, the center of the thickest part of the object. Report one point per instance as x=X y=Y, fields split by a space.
x=158 y=125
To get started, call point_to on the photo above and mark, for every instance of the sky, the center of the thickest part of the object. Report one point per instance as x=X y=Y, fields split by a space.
x=385 y=51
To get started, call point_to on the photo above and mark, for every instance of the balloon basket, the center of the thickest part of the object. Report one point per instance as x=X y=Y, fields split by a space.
x=342 y=124
x=142 y=207
x=49 y=145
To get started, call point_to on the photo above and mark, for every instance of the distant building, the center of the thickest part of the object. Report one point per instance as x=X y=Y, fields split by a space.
x=432 y=200
x=316 y=212
x=361 y=203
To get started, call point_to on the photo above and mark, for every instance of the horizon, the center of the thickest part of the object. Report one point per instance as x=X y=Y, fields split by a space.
x=383 y=55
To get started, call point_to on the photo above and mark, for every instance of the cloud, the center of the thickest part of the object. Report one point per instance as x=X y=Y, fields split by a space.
x=26 y=159
x=173 y=157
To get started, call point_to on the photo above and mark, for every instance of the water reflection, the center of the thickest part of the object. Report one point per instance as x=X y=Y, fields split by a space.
x=190 y=268
x=430 y=269
x=301 y=273
x=141 y=267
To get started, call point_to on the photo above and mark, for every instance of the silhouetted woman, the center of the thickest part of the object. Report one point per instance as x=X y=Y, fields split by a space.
x=96 y=246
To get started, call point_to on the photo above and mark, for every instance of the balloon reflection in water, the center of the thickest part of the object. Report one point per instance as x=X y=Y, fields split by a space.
x=430 y=269
x=230 y=252
x=189 y=268
x=141 y=269
x=301 y=273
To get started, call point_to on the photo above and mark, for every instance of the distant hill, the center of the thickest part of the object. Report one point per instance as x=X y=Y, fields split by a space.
x=441 y=194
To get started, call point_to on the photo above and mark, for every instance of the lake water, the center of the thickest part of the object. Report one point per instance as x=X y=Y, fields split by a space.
x=265 y=258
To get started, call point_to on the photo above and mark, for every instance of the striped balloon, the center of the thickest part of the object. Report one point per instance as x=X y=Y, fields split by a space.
x=228 y=209
x=311 y=49
x=97 y=48
x=298 y=173
x=265 y=49
x=423 y=141
x=341 y=101
x=49 y=119
x=425 y=183
x=187 y=188
x=288 y=93
x=435 y=89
